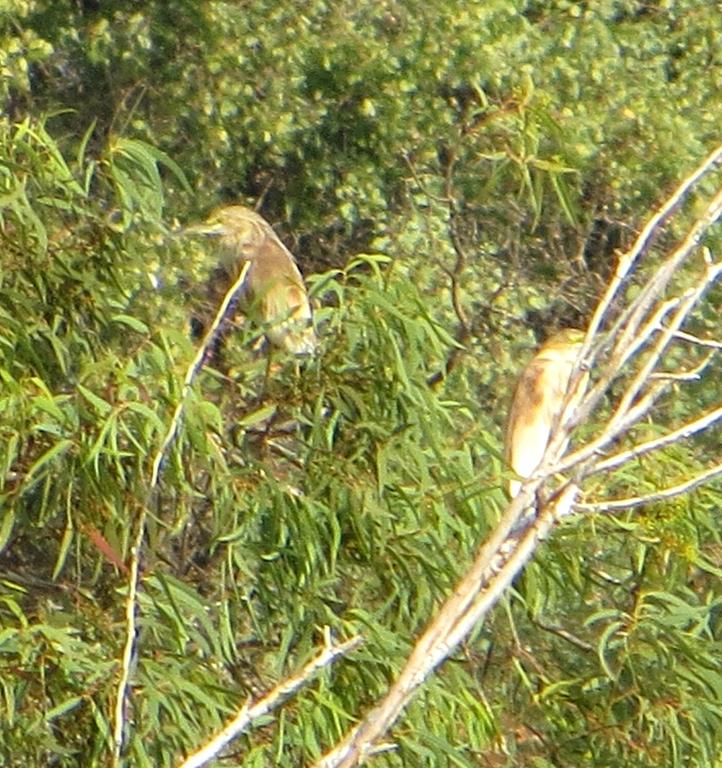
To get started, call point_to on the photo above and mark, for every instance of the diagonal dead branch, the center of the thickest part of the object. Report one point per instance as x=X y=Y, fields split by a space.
x=634 y=404
x=683 y=336
x=689 y=300
x=479 y=590
x=682 y=433
x=643 y=241
x=693 y=374
x=250 y=713
x=658 y=282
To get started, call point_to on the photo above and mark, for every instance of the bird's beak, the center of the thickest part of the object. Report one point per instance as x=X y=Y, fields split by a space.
x=204 y=228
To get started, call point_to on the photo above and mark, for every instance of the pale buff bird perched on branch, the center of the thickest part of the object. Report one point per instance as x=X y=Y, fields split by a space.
x=538 y=400
x=273 y=293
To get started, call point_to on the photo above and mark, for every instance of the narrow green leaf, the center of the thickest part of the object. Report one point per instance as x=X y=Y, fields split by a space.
x=7 y=521
x=48 y=457
x=132 y=322
x=101 y=406
x=61 y=709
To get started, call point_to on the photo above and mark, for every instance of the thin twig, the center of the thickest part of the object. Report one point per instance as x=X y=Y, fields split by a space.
x=565 y=634
x=658 y=282
x=633 y=405
x=592 y=347
x=690 y=374
x=682 y=433
x=688 y=301
x=616 y=505
x=628 y=339
x=250 y=713
x=683 y=336
x=434 y=198
x=193 y=370
x=643 y=241
x=131 y=604
x=595 y=448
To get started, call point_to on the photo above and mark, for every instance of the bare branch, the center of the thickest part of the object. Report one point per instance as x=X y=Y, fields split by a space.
x=564 y=634
x=685 y=431
x=193 y=370
x=131 y=603
x=499 y=561
x=668 y=493
x=643 y=241
x=692 y=374
x=595 y=448
x=250 y=713
x=689 y=300
x=658 y=282
x=633 y=405
x=420 y=183
x=683 y=336
x=594 y=345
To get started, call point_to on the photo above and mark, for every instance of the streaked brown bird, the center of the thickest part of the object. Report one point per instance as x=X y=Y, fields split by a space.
x=273 y=291
x=538 y=401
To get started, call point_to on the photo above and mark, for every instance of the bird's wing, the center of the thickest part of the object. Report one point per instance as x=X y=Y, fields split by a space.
x=277 y=296
x=536 y=405
x=277 y=291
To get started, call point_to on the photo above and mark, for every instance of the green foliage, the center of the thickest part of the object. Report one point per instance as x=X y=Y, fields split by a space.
x=454 y=178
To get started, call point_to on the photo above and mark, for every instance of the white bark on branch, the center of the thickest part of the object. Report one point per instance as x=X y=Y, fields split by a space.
x=617 y=505
x=250 y=713
x=682 y=433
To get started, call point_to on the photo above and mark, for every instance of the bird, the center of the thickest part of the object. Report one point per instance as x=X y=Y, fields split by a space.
x=273 y=293
x=538 y=400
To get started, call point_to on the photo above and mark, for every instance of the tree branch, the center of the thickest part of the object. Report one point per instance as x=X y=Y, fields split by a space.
x=643 y=241
x=131 y=603
x=499 y=561
x=668 y=493
x=682 y=433
x=250 y=713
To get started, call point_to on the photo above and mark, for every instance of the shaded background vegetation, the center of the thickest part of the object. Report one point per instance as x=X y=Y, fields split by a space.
x=455 y=179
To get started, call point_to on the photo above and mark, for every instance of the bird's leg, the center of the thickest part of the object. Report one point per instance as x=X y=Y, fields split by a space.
x=267 y=374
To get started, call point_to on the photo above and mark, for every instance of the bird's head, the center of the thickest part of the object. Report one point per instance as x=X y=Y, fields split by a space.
x=563 y=346
x=239 y=229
